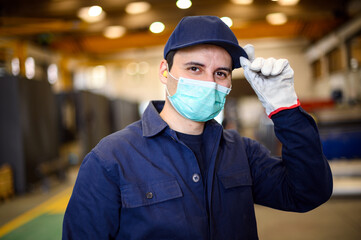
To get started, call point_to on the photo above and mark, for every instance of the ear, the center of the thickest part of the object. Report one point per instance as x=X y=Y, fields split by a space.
x=163 y=73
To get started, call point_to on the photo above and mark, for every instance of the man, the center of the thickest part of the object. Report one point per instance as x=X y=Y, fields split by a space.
x=176 y=174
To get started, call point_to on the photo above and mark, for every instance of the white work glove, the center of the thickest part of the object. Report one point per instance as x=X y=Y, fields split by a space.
x=272 y=80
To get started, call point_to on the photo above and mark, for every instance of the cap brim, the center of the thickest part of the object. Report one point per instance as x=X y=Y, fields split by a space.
x=234 y=50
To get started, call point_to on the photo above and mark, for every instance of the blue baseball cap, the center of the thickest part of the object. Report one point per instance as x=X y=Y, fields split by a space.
x=194 y=30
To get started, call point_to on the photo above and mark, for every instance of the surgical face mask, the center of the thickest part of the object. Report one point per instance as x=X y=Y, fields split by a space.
x=197 y=100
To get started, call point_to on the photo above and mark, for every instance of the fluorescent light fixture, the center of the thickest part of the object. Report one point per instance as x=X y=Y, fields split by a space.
x=113 y=32
x=242 y=2
x=184 y=4
x=228 y=21
x=52 y=73
x=157 y=27
x=137 y=7
x=91 y=14
x=15 y=66
x=288 y=2
x=276 y=18
x=30 y=68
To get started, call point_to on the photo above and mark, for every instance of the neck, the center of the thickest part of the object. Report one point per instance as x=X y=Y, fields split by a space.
x=179 y=123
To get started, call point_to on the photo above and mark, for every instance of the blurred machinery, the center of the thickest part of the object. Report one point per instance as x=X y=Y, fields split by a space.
x=37 y=123
x=340 y=131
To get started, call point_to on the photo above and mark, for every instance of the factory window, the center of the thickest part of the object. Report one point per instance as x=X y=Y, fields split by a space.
x=98 y=77
x=335 y=61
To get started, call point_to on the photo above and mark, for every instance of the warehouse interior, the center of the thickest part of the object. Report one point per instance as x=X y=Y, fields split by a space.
x=75 y=71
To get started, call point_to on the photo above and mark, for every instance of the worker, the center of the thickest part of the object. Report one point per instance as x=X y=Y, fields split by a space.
x=177 y=174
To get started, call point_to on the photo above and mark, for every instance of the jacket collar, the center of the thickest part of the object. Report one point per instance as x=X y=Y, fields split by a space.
x=152 y=123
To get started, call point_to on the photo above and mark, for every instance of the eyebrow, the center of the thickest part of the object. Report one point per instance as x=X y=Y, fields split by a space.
x=225 y=69
x=202 y=65
x=194 y=63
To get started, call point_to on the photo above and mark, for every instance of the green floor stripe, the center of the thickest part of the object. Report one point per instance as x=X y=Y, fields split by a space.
x=43 y=227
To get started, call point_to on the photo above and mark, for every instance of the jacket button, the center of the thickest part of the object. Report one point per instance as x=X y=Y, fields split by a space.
x=149 y=195
x=196 y=177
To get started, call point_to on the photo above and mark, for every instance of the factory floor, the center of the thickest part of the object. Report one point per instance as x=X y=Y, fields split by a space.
x=38 y=215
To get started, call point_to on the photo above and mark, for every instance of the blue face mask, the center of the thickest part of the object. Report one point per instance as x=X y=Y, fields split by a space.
x=197 y=100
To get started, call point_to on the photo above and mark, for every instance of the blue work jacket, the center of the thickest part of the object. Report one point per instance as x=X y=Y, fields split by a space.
x=144 y=183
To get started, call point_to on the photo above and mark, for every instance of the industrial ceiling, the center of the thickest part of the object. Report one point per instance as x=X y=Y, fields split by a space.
x=55 y=23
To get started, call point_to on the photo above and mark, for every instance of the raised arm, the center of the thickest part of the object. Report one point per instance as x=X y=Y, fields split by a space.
x=301 y=180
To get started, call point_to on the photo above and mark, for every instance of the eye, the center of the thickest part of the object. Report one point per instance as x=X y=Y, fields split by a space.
x=221 y=74
x=194 y=69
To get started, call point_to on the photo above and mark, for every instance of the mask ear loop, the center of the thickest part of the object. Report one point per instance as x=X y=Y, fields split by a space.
x=166 y=88
x=171 y=74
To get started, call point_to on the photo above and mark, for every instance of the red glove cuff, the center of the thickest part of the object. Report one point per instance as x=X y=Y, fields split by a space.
x=284 y=108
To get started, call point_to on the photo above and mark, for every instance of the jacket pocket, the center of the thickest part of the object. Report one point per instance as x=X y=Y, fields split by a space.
x=137 y=195
x=236 y=178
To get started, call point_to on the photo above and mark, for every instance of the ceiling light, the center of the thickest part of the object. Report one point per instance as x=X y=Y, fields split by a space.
x=184 y=4
x=287 y=2
x=276 y=18
x=227 y=21
x=242 y=2
x=91 y=14
x=95 y=11
x=137 y=7
x=114 y=32
x=156 y=27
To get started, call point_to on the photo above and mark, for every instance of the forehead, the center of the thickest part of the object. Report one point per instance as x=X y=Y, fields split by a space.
x=204 y=52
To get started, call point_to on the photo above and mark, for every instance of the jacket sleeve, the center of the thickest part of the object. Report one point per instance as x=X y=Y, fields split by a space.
x=299 y=181
x=94 y=208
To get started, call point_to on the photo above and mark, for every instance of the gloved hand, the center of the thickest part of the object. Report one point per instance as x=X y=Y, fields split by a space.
x=272 y=80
